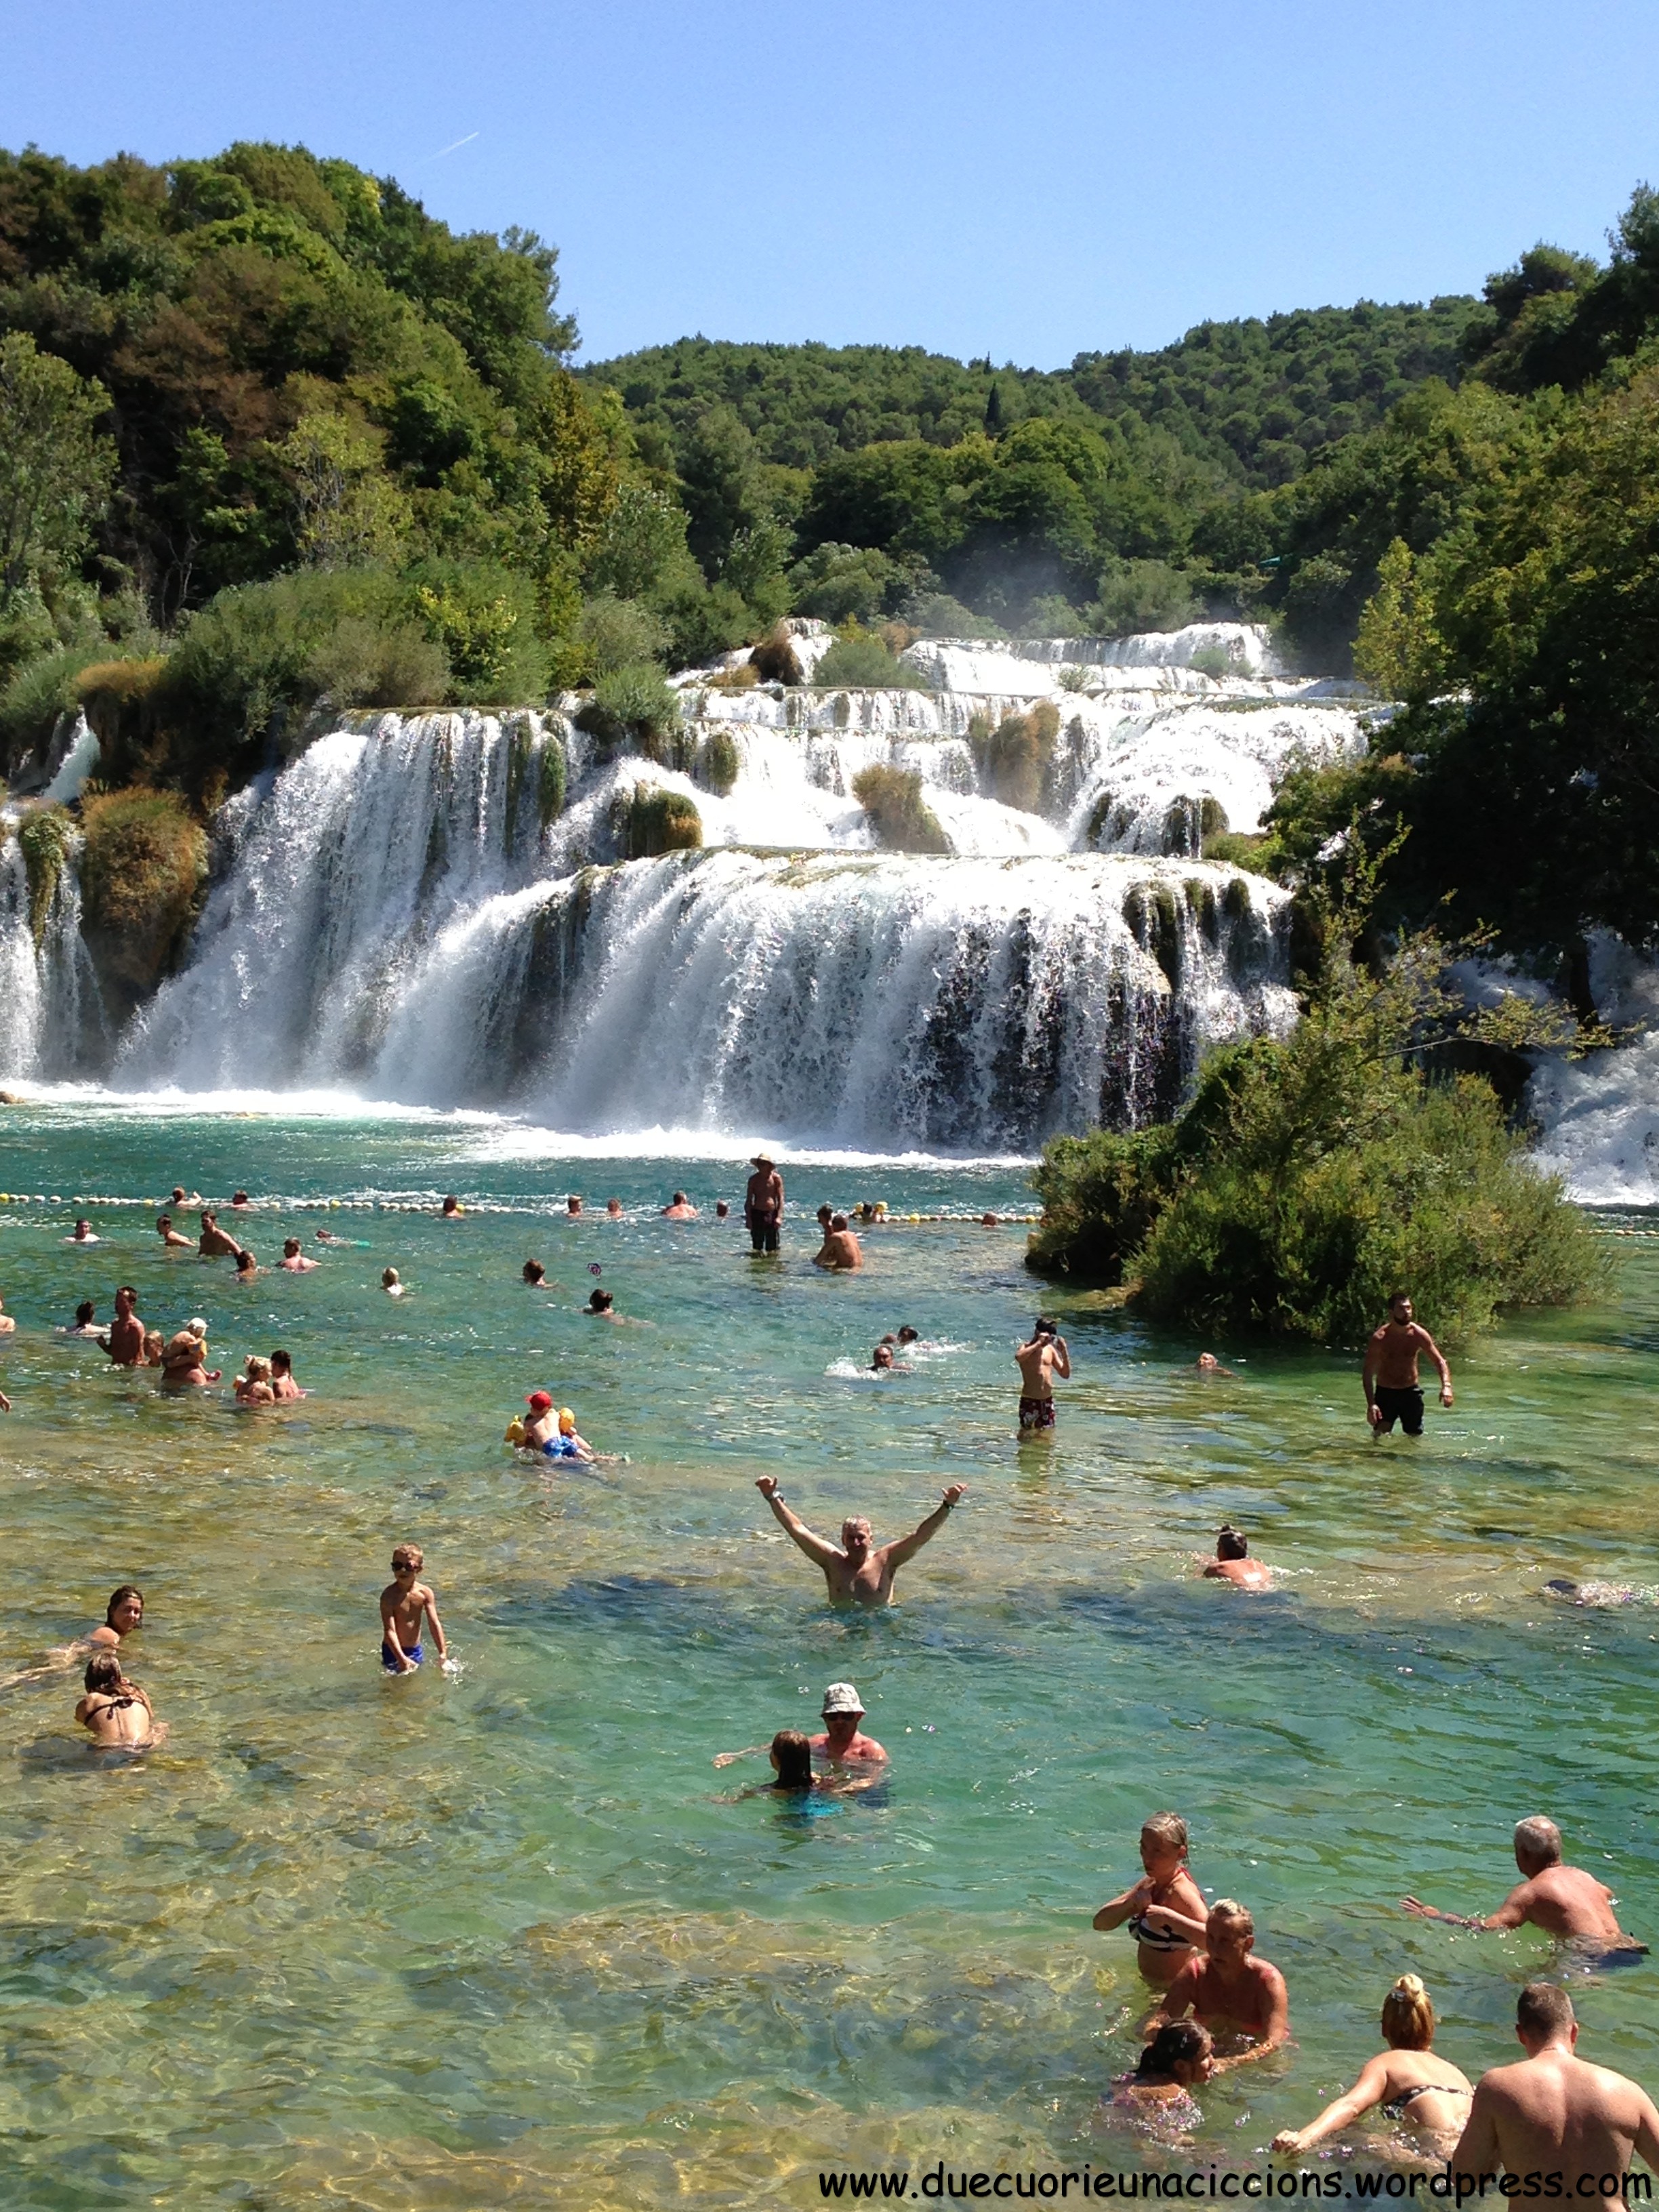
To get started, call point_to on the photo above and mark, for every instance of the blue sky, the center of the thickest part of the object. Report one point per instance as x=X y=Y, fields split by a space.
x=1026 y=180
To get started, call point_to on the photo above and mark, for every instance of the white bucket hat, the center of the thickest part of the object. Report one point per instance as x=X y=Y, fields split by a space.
x=841 y=1698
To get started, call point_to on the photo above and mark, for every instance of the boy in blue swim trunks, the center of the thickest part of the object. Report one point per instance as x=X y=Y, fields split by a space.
x=403 y=1603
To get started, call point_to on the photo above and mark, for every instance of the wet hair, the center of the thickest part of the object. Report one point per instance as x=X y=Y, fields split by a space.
x=126 y=1290
x=239 y=1198
x=1178 y=2043
x=1232 y=1544
x=256 y=1369
x=1540 y=1839
x=290 y=1247
x=153 y=1343
x=794 y=1752
x=84 y=1312
x=407 y=1555
x=1169 y=1829
x=678 y=1197
x=1044 y=1325
x=600 y=1301
x=825 y=1213
x=1228 y=1908
x=534 y=1272
x=281 y=1362
x=164 y=1221
x=838 y=1221
x=245 y=1262
x=103 y=1671
x=1408 y=2014
x=119 y=1597
x=388 y=1277
x=909 y=1335
x=451 y=1201
x=1542 y=2010
x=876 y=1359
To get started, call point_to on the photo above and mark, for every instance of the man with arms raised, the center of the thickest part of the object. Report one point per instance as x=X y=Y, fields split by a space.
x=1393 y=1392
x=859 y=1571
x=1553 y=2114
x=1563 y=1900
x=1225 y=1989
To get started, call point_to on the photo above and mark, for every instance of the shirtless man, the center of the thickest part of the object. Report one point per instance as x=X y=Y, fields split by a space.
x=1389 y=1375
x=843 y=1738
x=543 y=1423
x=125 y=1341
x=214 y=1243
x=83 y=1235
x=169 y=1236
x=115 y=1709
x=293 y=1260
x=1232 y=1562
x=573 y=1206
x=681 y=1210
x=283 y=1387
x=404 y=1603
x=1552 y=2115
x=839 y=1253
x=7 y=1324
x=1563 y=1900
x=858 y=1571
x=762 y=1204
x=1038 y=1363
x=452 y=1209
x=1228 y=1990
x=534 y=1275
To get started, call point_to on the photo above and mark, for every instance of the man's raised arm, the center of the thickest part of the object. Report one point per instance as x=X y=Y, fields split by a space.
x=815 y=1546
x=906 y=1547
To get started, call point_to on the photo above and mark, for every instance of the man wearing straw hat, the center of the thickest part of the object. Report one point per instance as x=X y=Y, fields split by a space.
x=763 y=1204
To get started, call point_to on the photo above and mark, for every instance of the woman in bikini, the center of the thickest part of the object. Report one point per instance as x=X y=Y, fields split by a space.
x=1165 y=1911
x=116 y=1711
x=1420 y=2094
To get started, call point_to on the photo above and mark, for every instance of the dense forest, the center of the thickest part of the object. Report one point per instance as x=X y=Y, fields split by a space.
x=272 y=439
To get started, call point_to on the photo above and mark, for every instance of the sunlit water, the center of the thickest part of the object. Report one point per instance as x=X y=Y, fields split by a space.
x=506 y=1937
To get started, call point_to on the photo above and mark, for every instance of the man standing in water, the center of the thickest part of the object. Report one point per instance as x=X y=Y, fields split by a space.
x=859 y=1571
x=1553 y=2114
x=1389 y=1375
x=1039 y=1362
x=214 y=1244
x=1228 y=1990
x=126 y=1332
x=1563 y=1900
x=844 y=1739
x=762 y=1204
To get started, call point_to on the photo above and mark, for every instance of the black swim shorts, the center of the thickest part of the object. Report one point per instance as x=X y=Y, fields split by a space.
x=763 y=1236
x=1405 y=1407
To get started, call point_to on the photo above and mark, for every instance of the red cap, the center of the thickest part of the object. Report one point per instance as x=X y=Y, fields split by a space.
x=539 y=1401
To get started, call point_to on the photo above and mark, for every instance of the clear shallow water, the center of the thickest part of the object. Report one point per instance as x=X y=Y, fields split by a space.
x=507 y=1938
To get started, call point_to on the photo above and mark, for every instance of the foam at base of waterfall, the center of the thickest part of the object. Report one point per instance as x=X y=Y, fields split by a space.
x=1599 y=1120
x=1132 y=773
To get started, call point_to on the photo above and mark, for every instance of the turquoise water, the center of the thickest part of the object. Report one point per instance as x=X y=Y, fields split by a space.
x=506 y=1937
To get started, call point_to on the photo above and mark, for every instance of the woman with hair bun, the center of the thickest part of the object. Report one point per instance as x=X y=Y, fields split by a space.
x=1416 y=2091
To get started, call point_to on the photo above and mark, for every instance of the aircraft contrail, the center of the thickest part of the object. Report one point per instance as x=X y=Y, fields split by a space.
x=460 y=142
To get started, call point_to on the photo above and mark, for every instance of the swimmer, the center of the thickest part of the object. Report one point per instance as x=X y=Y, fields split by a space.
x=116 y=1710
x=1552 y=2119
x=1429 y=2096
x=125 y=1340
x=722 y=1211
x=404 y=1603
x=791 y=1754
x=1039 y=1362
x=283 y=1387
x=7 y=1324
x=573 y=1206
x=858 y=1572
x=1228 y=1990
x=452 y=1209
x=123 y=1614
x=181 y=1362
x=680 y=1209
x=840 y=1252
x=842 y=1741
x=152 y=1348
x=246 y=1266
x=1180 y=2058
x=1388 y=1374
x=240 y=1199
x=535 y=1274
x=909 y=1335
x=1233 y=1564
x=564 y=1443
x=392 y=1283
x=214 y=1243
x=542 y=1427
x=882 y=1361
x=83 y=1235
x=252 y=1386
x=1207 y=1363
x=613 y=1209
x=327 y=1237
x=601 y=1306
x=181 y=1197
x=1563 y=1900
x=85 y=1323
x=825 y=1215
x=169 y=1236
x=1564 y=1591
x=989 y=1221
x=293 y=1260
x=1164 y=1911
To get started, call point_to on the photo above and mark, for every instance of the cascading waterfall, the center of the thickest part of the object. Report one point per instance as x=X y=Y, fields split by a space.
x=407 y=911
x=49 y=997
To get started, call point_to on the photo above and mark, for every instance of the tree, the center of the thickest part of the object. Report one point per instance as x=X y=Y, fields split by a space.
x=56 y=467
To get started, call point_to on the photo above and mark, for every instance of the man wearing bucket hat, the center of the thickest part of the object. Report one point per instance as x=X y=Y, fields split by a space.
x=842 y=1738
x=763 y=1204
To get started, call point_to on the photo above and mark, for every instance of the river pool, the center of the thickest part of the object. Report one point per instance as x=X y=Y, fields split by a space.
x=505 y=1937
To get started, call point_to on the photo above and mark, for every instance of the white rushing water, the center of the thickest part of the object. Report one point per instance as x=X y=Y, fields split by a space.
x=402 y=912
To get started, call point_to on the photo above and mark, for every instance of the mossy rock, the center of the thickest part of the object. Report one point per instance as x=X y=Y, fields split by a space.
x=717 y=763
x=44 y=836
x=143 y=871
x=652 y=821
x=903 y=821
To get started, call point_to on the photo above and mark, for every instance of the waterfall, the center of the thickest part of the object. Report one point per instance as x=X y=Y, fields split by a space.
x=51 y=1013
x=438 y=909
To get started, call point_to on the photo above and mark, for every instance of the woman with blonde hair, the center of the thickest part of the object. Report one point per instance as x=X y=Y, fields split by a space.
x=1165 y=1909
x=1416 y=2091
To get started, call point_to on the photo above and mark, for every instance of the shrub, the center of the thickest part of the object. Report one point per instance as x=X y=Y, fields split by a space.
x=892 y=797
x=704 y=621
x=1136 y=596
x=717 y=763
x=1237 y=848
x=1052 y=615
x=1077 y=677
x=1212 y=661
x=861 y=660
x=841 y=583
x=365 y=662
x=121 y=701
x=144 y=863
x=654 y=821
x=39 y=692
x=746 y=676
x=774 y=659
x=42 y=836
x=551 y=785
x=634 y=705
x=1309 y=1178
x=483 y=615
x=1016 y=757
x=936 y=614
x=620 y=633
